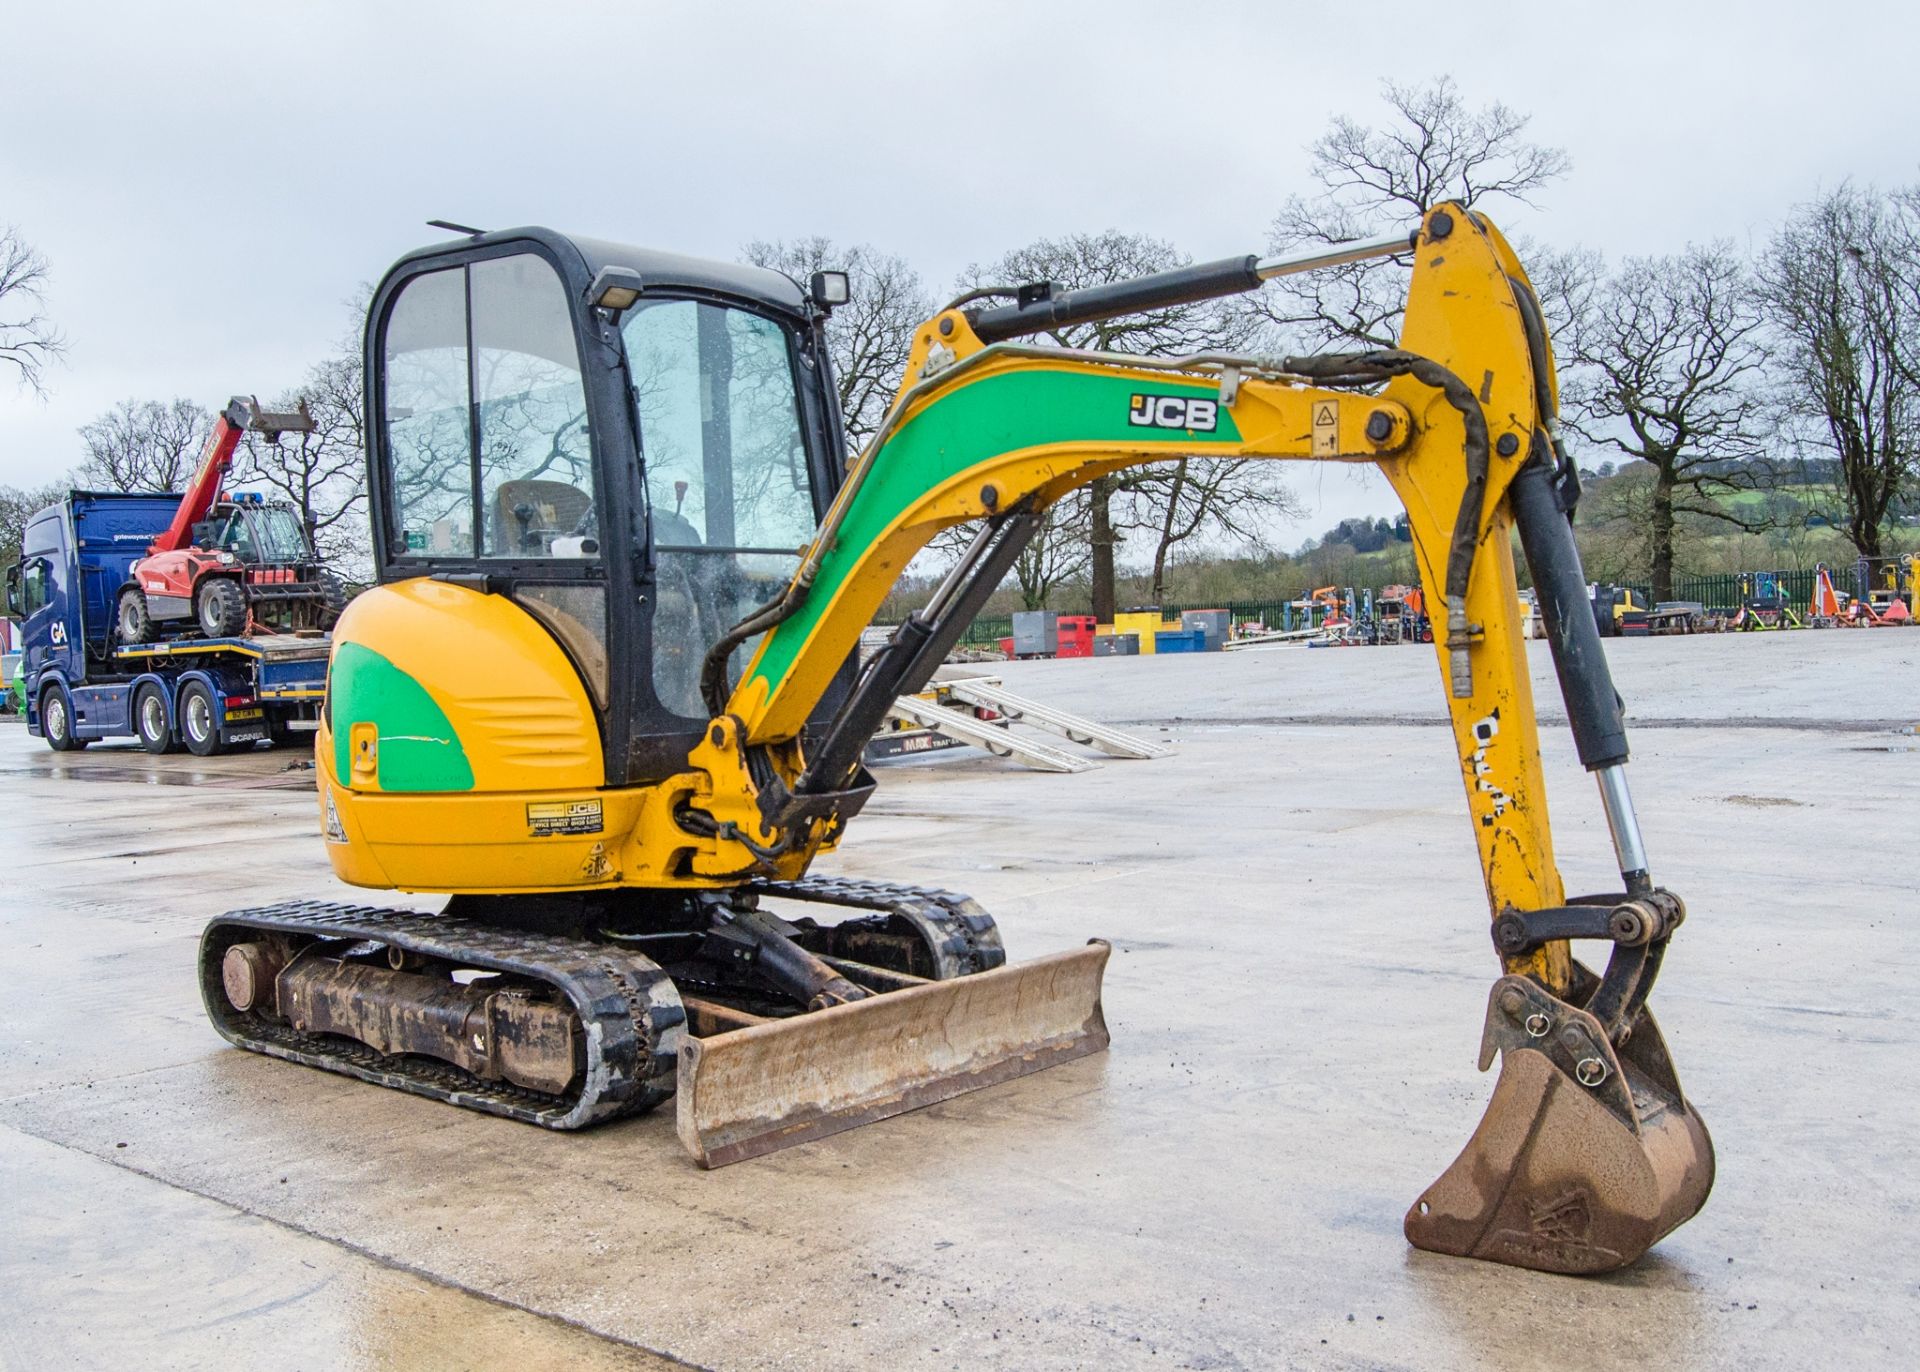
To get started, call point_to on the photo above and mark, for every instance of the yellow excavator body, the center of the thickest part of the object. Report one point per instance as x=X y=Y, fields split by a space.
x=606 y=696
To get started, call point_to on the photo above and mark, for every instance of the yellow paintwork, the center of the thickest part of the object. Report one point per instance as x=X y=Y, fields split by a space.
x=1461 y=312
x=508 y=689
x=522 y=718
x=497 y=672
x=521 y=714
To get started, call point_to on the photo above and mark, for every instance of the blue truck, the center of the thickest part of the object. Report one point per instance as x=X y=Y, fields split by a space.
x=81 y=683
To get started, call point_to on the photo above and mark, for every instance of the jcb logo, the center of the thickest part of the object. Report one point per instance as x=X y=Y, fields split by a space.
x=1174 y=412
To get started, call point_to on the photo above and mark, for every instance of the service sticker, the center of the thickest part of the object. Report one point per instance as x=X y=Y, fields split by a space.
x=549 y=817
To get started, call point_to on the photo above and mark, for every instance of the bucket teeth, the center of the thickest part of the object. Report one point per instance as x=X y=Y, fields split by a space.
x=772 y=1085
x=1587 y=1155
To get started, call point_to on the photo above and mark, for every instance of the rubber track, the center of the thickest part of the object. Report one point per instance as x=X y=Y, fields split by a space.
x=628 y=1007
x=631 y=1003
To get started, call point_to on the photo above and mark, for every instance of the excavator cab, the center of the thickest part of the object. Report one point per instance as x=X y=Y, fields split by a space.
x=638 y=480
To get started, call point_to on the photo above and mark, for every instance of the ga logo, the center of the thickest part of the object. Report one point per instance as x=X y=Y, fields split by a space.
x=57 y=633
x=1174 y=412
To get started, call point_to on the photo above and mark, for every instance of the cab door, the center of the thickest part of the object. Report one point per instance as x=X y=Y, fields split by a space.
x=487 y=456
x=730 y=490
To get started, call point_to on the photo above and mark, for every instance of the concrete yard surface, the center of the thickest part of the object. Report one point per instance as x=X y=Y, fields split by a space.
x=1300 y=969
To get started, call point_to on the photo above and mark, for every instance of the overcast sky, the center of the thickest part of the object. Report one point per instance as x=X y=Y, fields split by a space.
x=212 y=182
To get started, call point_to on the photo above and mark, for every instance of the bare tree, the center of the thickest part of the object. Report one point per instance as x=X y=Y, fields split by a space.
x=322 y=474
x=870 y=336
x=1196 y=496
x=1141 y=498
x=1838 y=285
x=1060 y=554
x=28 y=338
x=144 y=445
x=1432 y=147
x=1667 y=366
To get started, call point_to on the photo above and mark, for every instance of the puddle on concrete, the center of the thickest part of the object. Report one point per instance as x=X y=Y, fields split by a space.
x=301 y=780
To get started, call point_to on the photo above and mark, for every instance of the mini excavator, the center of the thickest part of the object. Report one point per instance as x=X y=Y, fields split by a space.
x=606 y=694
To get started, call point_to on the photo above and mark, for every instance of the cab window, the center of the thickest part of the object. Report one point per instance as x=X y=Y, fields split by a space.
x=536 y=470
x=234 y=536
x=428 y=418
x=282 y=537
x=488 y=443
x=33 y=586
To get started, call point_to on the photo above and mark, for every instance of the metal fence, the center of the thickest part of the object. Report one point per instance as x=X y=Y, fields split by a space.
x=1729 y=590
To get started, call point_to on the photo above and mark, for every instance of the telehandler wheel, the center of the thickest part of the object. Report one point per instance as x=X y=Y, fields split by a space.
x=134 y=622
x=333 y=598
x=198 y=725
x=220 y=605
x=150 y=720
x=56 y=722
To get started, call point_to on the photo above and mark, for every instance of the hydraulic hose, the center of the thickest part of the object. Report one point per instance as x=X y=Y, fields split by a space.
x=1362 y=368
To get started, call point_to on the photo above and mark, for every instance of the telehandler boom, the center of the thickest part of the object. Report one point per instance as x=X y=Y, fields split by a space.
x=605 y=695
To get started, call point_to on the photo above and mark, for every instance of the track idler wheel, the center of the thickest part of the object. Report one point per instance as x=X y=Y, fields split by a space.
x=1587 y=1156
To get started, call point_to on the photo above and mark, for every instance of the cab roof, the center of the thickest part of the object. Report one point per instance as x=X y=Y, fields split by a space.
x=667 y=269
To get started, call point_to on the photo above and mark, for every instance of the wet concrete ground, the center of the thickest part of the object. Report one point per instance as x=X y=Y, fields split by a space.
x=1299 y=973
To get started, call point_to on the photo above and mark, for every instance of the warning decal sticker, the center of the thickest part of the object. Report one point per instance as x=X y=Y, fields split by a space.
x=1326 y=428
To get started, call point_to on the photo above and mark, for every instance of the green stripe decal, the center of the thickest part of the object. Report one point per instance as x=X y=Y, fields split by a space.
x=991 y=417
x=418 y=749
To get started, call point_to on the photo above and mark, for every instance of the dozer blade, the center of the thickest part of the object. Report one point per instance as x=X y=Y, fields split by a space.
x=1586 y=1156
x=772 y=1085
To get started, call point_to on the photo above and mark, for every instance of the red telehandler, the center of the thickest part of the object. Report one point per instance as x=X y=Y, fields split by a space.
x=230 y=564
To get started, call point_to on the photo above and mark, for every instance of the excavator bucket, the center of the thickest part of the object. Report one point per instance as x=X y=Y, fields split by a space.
x=1586 y=1157
x=780 y=1082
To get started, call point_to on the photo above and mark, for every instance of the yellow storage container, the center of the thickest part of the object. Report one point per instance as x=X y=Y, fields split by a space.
x=1145 y=623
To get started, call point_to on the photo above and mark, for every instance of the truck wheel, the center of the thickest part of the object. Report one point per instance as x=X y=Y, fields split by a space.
x=198 y=721
x=56 y=722
x=135 y=624
x=150 y=720
x=221 y=607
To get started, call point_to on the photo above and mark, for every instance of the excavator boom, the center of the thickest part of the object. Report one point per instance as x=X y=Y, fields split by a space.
x=1589 y=1152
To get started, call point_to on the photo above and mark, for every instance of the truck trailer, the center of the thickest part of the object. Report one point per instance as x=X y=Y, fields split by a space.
x=81 y=682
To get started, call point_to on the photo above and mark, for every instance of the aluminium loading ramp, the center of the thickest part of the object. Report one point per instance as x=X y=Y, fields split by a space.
x=949 y=712
x=964 y=727
x=1020 y=710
